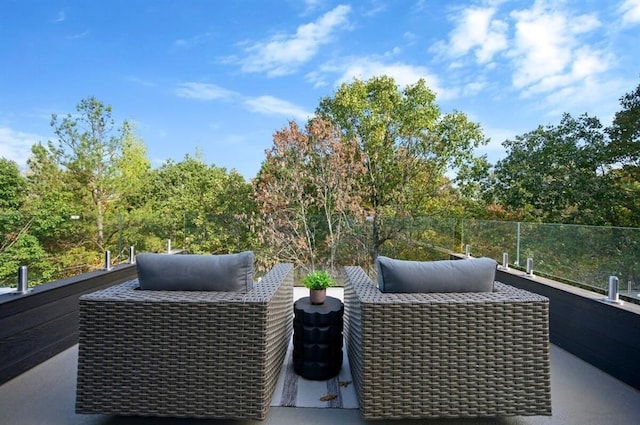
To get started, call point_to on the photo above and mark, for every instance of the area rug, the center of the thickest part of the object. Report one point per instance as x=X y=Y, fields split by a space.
x=295 y=391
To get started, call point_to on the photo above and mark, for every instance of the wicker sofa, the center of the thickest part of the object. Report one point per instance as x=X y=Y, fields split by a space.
x=447 y=354
x=184 y=353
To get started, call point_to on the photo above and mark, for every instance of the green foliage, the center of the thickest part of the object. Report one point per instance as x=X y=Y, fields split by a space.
x=625 y=150
x=52 y=203
x=318 y=280
x=556 y=173
x=12 y=186
x=625 y=130
x=406 y=143
x=369 y=174
x=25 y=250
x=76 y=175
x=203 y=208
x=17 y=246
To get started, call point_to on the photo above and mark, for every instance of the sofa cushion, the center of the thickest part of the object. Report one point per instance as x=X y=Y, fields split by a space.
x=467 y=275
x=227 y=272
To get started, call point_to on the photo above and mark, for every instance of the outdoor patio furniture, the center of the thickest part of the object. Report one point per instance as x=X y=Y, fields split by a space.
x=433 y=355
x=200 y=354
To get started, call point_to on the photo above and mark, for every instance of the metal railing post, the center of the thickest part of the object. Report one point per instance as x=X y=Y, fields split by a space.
x=467 y=250
x=107 y=260
x=613 y=291
x=132 y=258
x=505 y=261
x=23 y=285
x=168 y=246
x=529 y=267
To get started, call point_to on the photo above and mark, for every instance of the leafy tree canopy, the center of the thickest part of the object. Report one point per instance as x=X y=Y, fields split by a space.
x=403 y=139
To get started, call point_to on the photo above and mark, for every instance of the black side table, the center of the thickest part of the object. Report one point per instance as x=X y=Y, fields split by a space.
x=317 y=338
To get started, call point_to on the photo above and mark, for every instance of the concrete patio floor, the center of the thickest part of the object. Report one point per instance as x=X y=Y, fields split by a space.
x=581 y=394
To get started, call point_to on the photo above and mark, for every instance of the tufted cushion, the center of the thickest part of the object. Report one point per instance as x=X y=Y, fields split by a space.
x=227 y=272
x=468 y=275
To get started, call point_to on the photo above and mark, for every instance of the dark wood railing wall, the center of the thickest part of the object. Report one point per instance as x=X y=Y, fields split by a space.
x=603 y=334
x=43 y=322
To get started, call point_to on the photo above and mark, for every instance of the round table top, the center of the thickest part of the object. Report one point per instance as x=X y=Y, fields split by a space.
x=331 y=304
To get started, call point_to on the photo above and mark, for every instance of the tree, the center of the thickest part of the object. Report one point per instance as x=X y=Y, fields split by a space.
x=81 y=187
x=89 y=149
x=12 y=196
x=17 y=246
x=625 y=131
x=403 y=139
x=557 y=173
x=306 y=193
x=133 y=171
x=51 y=204
x=202 y=207
x=12 y=185
x=624 y=134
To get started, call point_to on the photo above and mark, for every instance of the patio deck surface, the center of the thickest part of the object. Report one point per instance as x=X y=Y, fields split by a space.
x=581 y=394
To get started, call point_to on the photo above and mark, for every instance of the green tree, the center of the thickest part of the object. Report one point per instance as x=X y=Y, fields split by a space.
x=12 y=186
x=89 y=150
x=18 y=247
x=203 y=208
x=406 y=143
x=134 y=173
x=82 y=187
x=625 y=130
x=557 y=173
x=52 y=203
x=624 y=134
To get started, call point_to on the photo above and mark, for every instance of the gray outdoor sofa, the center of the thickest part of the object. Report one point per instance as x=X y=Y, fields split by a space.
x=438 y=355
x=201 y=354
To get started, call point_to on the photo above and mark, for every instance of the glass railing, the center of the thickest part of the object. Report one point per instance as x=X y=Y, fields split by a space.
x=580 y=255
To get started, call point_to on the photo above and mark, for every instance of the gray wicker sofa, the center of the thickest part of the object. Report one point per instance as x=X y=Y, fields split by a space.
x=433 y=355
x=184 y=353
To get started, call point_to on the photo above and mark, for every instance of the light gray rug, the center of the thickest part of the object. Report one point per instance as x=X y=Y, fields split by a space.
x=295 y=391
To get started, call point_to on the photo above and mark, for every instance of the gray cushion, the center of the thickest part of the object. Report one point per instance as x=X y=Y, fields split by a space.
x=468 y=275
x=227 y=272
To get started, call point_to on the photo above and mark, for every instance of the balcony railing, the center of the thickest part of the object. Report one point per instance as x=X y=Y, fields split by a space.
x=583 y=256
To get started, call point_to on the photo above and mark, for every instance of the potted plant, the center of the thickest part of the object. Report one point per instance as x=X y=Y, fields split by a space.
x=318 y=282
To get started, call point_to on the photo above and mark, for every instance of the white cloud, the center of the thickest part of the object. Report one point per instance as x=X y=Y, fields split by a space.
x=595 y=96
x=203 y=91
x=630 y=11
x=284 y=54
x=473 y=88
x=317 y=78
x=364 y=68
x=478 y=31
x=548 y=52
x=270 y=105
x=16 y=145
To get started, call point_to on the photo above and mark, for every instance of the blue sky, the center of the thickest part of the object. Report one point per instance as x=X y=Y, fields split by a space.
x=222 y=76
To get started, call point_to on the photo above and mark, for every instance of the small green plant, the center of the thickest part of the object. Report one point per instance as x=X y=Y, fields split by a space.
x=318 y=280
